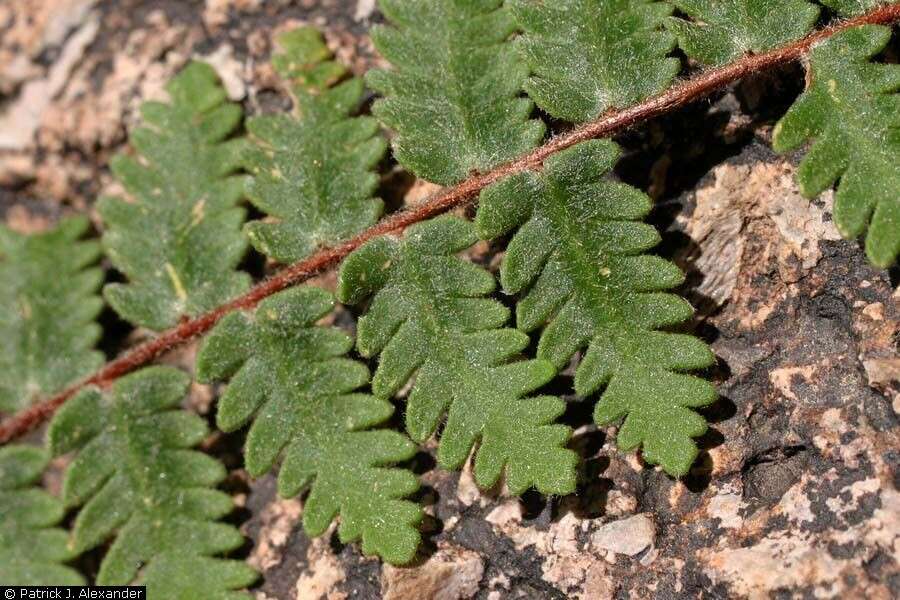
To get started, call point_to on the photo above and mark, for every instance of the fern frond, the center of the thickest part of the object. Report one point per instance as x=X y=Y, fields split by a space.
x=720 y=31
x=453 y=92
x=177 y=238
x=851 y=8
x=313 y=170
x=48 y=303
x=578 y=255
x=31 y=549
x=588 y=56
x=851 y=111
x=294 y=382
x=428 y=319
x=141 y=486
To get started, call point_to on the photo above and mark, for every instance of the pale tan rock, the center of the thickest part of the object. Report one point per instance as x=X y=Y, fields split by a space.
x=715 y=226
x=801 y=223
x=882 y=371
x=88 y=120
x=752 y=217
x=782 y=379
x=16 y=167
x=726 y=506
x=777 y=561
x=467 y=491
x=20 y=121
x=279 y=519
x=230 y=70
x=324 y=574
x=599 y=583
x=796 y=504
x=364 y=9
x=567 y=564
x=629 y=536
x=215 y=13
x=30 y=27
x=452 y=573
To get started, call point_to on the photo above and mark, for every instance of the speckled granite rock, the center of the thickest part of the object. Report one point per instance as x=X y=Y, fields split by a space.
x=795 y=493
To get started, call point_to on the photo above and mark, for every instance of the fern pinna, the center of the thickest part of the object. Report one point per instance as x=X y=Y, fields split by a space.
x=294 y=382
x=587 y=56
x=849 y=8
x=312 y=170
x=48 y=303
x=177 y=237
x=577 y=256
x=429 y=319
x=453 y=92
x=139 y=484
x=719 y=31
x=851 y=112
x=32 y=550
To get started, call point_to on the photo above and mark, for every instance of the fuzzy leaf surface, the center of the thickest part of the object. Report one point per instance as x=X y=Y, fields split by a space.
x=48 y=305
x=577 y=257
x=852 y=8
x=720 y=31
x=851 y=112
x=588 y=56
x=313 y=169
x=32 y=550
x=452 y=94
x=428 y=318
x=140 y=485
x=293 y=381
x=177 y=237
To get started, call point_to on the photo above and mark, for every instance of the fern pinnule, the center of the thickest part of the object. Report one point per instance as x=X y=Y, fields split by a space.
x=577 y=257
x=32 y=550
x=139 y=484
x=293 y=382
x=313 y=169
x=48 y=305
x=177 y=237
x=428 y=319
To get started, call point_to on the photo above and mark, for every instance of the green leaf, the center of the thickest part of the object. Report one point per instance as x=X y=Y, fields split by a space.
x=294 y=382
x=31 y=549
x=144 y=489
x=177 y=237
x=851 y=111
x=577 y=257
x=851 y=8
x=313 y=170
x=48 y=305
x=588 y=56
x=720 y=31
x=429 y=320
x=453 y=92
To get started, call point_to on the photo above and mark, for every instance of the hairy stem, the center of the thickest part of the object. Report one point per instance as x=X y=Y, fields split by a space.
x=613 y=122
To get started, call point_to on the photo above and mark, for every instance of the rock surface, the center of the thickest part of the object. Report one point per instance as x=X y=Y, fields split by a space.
x=795 y=494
